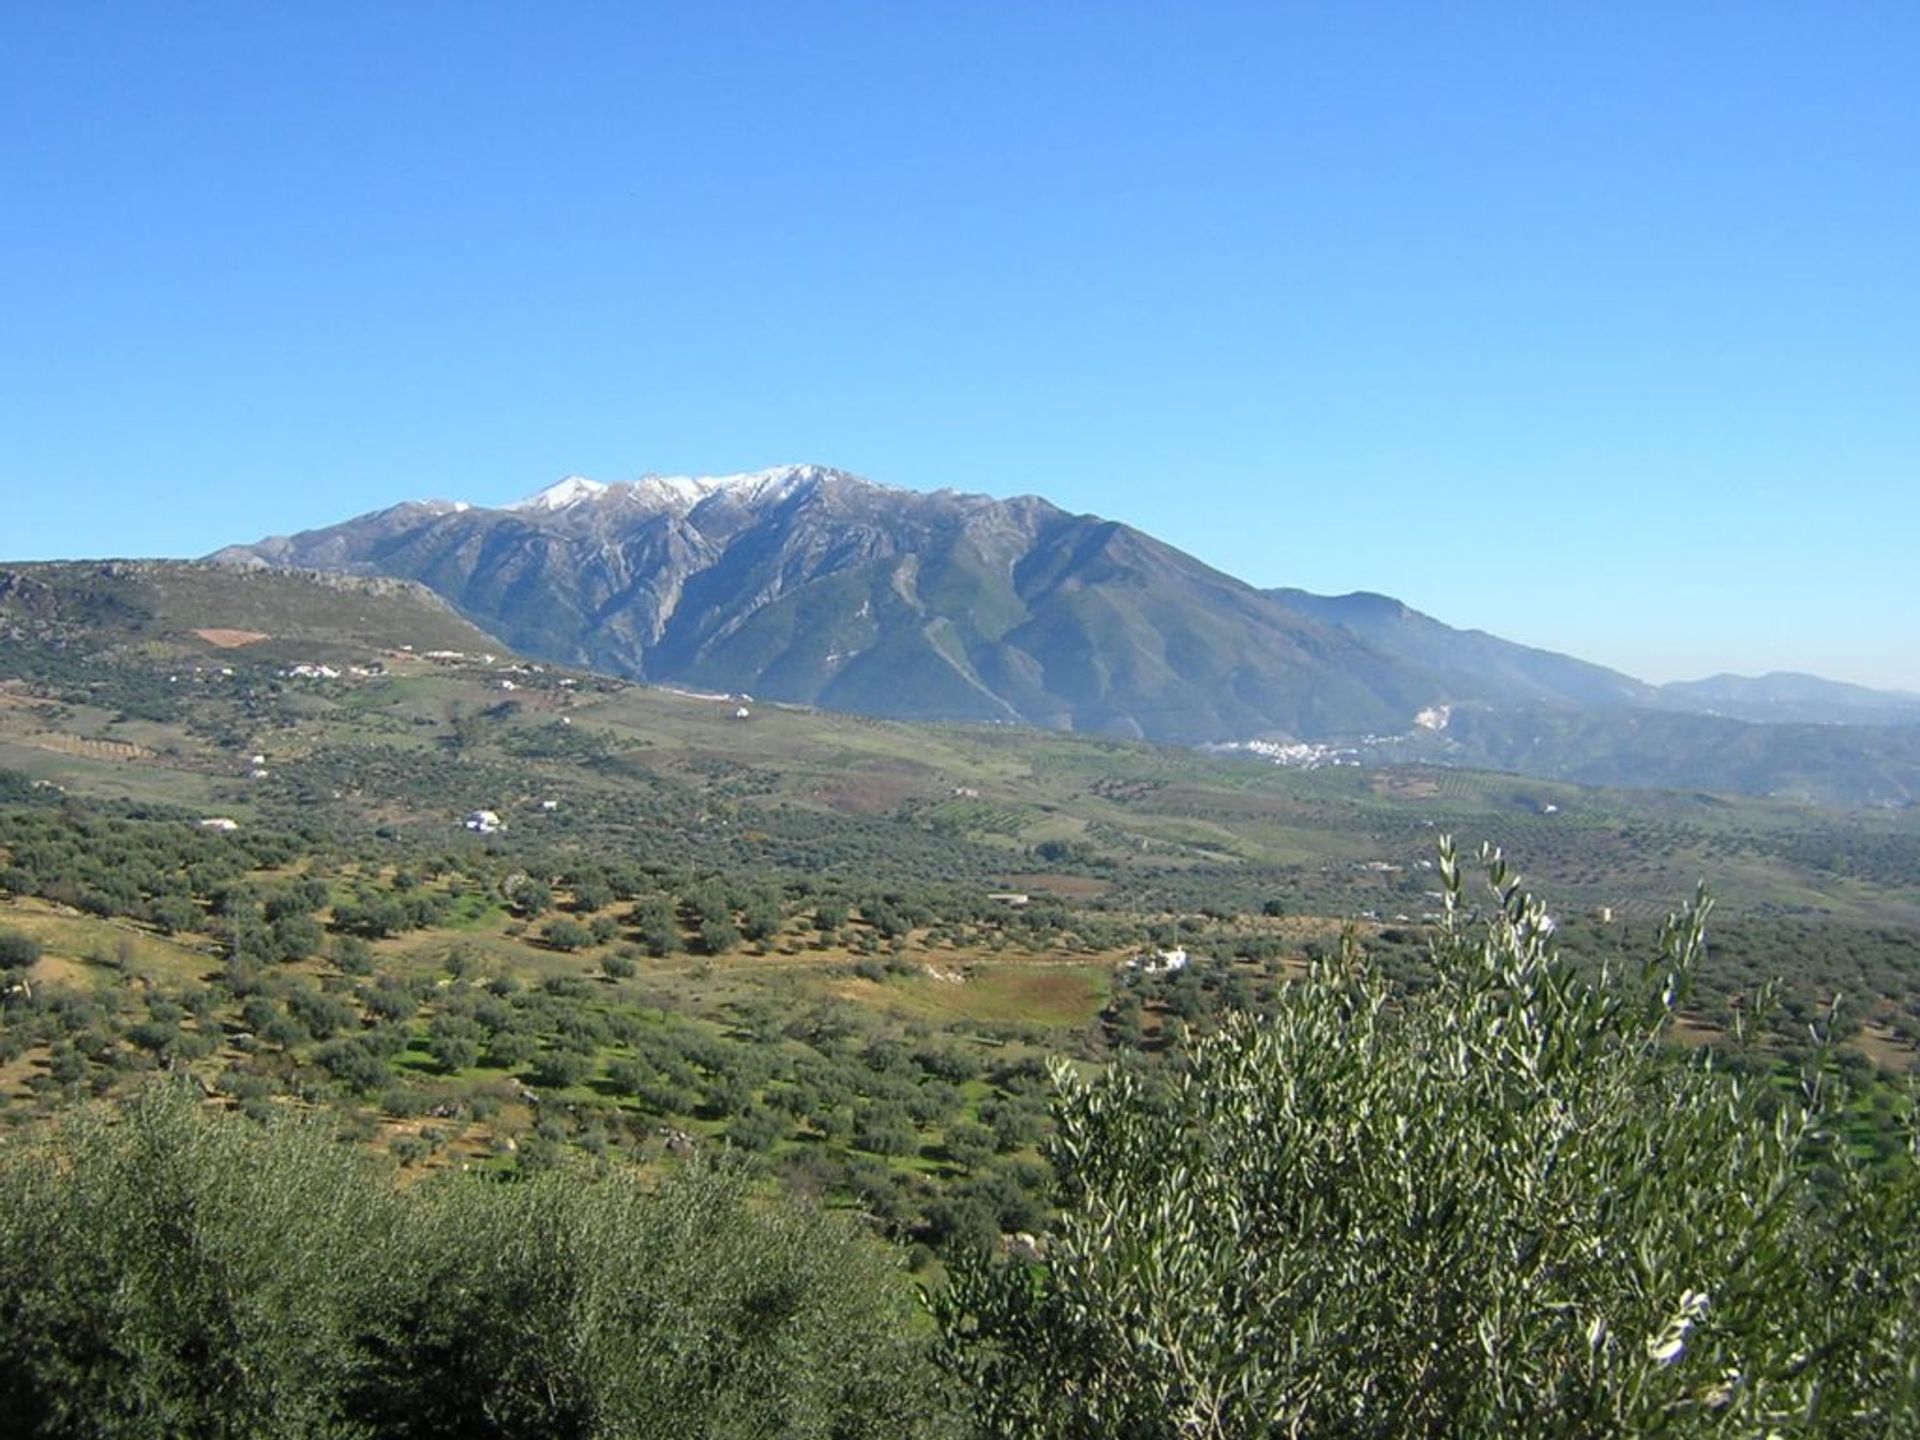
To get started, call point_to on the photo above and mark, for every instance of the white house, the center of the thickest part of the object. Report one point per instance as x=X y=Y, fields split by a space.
x=482 y=822
x=1160 y=962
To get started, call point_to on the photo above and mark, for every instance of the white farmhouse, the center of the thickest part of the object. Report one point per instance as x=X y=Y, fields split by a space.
x=1160 y=962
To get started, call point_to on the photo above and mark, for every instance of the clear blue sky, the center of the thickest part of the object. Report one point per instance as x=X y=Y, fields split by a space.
x=1595 y=325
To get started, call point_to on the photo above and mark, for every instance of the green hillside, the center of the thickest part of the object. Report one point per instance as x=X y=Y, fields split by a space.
x=844 y=944
x=320 y=848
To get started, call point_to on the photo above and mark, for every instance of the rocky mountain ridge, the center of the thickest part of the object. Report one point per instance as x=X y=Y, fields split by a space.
x=809 y=584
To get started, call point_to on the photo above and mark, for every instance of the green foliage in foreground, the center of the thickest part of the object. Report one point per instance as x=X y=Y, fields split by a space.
x=1498 y=1202
x=168 y=1272
x=1496 y=1206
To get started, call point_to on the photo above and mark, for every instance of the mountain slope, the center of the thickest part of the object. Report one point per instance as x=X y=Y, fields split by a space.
x=173 y=607
x=1469 y=661
x=811 y=585
x=814 y=586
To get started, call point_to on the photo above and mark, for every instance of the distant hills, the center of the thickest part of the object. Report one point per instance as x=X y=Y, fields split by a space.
x=811 y=585
x=1786 y=698
x=1822 y=763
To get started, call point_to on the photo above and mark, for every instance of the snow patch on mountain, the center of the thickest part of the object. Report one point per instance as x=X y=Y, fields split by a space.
x=570 y=491
x=681 y=493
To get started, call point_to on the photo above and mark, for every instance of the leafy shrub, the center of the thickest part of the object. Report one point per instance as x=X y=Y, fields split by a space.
x=561 y=1067
x=618 y=966
x=1500 y=1205
x=18 y=950
x=565 y=934
x=354 y=1062
x=163 y=1275
x=166 y=1271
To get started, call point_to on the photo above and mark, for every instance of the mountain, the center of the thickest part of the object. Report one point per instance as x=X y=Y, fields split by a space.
x=811 y=585
x=1783 y=697
x=160 y=609
x=1469 y=662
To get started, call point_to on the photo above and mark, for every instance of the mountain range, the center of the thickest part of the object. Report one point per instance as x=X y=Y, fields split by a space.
x=811 y=585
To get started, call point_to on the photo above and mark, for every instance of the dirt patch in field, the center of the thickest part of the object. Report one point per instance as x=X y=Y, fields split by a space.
x=1079 y=887
x=1037 y=994
x=77 y=945
x=90 y=749
x=1694 y=1033
x=59 y=970
x=231 y=639
x=868 y=795
x=1395 y=785
x=1879 y=1044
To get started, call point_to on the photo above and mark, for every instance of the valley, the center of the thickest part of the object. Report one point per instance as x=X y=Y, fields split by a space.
x=1199 y=722
x=321 y=843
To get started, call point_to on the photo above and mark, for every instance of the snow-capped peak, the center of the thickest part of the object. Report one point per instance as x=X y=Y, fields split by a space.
x=570 y=491
x=681 y=493
x=771 y=484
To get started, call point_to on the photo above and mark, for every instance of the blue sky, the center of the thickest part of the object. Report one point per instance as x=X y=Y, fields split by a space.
x=1594 y=325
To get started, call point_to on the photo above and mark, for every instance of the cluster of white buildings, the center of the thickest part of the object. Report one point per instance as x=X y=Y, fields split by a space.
x=1296 y=754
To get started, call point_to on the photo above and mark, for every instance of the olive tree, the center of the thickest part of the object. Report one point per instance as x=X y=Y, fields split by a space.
x=164 y=1276
x=166 y=1271
x=1498 y=1204
x=18 y=950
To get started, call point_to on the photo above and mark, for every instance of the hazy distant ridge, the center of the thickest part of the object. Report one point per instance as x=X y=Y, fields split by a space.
x=1784 y=697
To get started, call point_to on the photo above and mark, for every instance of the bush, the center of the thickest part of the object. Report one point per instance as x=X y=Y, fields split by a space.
x=166 y=1271
x=566 y=1307
x=454 y=1052
x=1501 y=1205
x=560 y=1068
x=173 y=913
x=618 y=966
x=18 y=951
x=163 y=1275
x=565 y=934
x=355 y=1063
